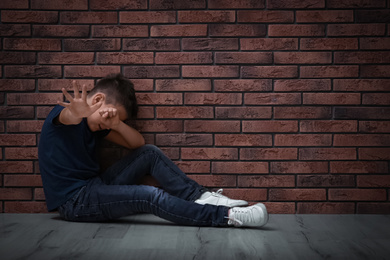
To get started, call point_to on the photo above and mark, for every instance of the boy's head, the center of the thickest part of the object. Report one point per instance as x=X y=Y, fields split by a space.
x=116 y=90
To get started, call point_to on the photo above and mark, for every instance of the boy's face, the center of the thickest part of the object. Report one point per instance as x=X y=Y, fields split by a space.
x=106 y=116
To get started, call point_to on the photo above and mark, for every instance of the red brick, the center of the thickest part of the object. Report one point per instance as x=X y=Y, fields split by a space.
x=39 y=194
x=11 y=4
x=120 y=31
x=206 y=16
x=151 y=44
x=327 y=16
x=178 y=30
x=374 y=71
x=13 y=30
x=361 y=84
x=327 y=154
x=268 y=154
x=234 y=30
x=356 y=29
x=61 y=30
x=217 y=181
x=161 y=126
x=269 y=44
x=58 y=84
x=246 y=194
x=16 y=112
x=66 y=5
x=25 y=207
x=184 y=58
x=357 y=194
x=331 y=98
x=17 y=139
x=329 y=44
x=194 y=166
x=302 y=85
x=216 y=44
x=17 y=85
x=325 y=208
x=21 y=153
x=16 y=167
x=243 y=85
x=361 y=113
x=374 y=126
x=22 y=180
x=17 y=57
x=361 y=140
x=177 y=4
x=184 y=140
x=272 y=99
x=243 y=57
x=260 y=16
x=124 y=58
x=280 y=207
x=370 y=181
x=373 y=43
x=269 y=71
x=159 y=98
x=118 y=4
x=66 y=58
x=210 y=71
x=34 y=71
x=43 y=111
x=151 y=71
x=361 y=57
x=209 y=154
x=328 y=126
x=184 y=112
x=376 y=99
x=233 y=4
x=148 y=17
x=325 y=181
x=143 y=84
x=239 y=167
x=92 y=44
x=15 y=194
x=276 y=30
x=299 y=167
x=302 y=57
x=145 y=112
x=270 y=126
x=297 y=194
x=306 y=112
x=24 y=44
x=331 y=71
x=374 y=153
x=90 y=71
x=372 y=16
x=356 y=3
x=373 y=208
x=265 y=181
x=303 y=140
x=88 y=17
x=208 y=126
x=242 y=140
x=212 y=99
x=243 y=112
x=183 y=85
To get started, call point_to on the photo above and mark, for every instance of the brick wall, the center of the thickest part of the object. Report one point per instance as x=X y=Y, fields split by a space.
x=284 y=102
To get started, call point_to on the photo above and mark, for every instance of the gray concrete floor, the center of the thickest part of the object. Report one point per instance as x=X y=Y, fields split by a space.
x=45 y=236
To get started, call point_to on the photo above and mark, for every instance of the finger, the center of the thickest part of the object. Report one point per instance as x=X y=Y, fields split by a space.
x=110 y=112
x=67 y=95
x=64 y=104
x=84 y=93
x=114 y=112
x=76 y=89
x=96 y=107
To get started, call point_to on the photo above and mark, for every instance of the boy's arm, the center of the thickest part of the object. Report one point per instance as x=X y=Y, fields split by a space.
x=126 y=136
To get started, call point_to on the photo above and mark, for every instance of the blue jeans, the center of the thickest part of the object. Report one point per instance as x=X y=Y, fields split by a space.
x=114 y=193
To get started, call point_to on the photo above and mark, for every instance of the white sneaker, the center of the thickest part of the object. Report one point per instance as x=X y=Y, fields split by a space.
x=217 y=199
x=252 y=216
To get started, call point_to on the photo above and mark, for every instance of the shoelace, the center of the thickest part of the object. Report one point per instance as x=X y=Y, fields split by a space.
x=218 y=193
x=240 y=217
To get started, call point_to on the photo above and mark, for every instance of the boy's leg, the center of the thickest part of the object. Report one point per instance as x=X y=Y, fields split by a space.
x=149 y=159
x=100 y=202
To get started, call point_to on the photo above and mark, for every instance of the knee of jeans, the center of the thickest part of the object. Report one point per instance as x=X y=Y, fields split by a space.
x=151 y=147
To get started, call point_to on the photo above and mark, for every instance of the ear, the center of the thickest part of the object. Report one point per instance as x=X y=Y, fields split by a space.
x=98 y=97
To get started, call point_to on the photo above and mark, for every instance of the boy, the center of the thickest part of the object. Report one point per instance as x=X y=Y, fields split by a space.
x=70 y=170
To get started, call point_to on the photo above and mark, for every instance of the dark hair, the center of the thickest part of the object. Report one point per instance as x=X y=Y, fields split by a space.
x=118 y=90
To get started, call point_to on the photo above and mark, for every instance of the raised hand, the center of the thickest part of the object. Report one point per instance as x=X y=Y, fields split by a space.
x=110 y=117
x=77 y=105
